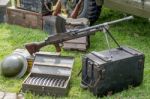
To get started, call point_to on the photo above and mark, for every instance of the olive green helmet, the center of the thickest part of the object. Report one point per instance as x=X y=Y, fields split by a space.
x=14 y=66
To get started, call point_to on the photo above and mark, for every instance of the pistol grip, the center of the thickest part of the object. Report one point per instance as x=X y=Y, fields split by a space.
x=58 y=48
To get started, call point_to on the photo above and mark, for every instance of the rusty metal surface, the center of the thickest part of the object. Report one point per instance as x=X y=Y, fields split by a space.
x=24 y=18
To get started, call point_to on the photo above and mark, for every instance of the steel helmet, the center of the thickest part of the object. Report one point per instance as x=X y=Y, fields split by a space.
x=14 y=66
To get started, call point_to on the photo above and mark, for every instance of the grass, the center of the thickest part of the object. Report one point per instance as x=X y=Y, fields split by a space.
x=134 y=33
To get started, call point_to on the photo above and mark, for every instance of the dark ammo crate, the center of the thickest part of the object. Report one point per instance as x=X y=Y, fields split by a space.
x=50 y=75
x=54 y=24
x=24 y=18
x=3 y=6
x=39 y=6
x=112 y=71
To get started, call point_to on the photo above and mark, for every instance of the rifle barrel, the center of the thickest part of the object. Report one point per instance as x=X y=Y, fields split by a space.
x=100 y=26
x=72 y=34
x=120 y=20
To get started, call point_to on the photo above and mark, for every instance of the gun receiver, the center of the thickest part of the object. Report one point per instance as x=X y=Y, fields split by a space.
x=77 y=33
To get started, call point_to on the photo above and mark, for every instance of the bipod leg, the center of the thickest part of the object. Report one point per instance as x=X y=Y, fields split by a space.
x=109 y=33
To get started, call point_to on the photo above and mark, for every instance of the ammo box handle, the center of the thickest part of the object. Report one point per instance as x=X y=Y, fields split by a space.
x=85 y=77
x=100 y=76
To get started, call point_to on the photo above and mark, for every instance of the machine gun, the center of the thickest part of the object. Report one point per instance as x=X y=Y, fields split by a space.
x=69 y=35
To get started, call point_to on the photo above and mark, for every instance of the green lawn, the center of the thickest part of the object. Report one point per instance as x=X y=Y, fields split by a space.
x=135 y=33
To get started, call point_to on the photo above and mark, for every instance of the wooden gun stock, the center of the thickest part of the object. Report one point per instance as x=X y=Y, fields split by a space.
x=36 y=46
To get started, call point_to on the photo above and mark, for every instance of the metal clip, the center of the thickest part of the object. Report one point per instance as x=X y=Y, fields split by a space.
x=48 y=82
x=51 y=82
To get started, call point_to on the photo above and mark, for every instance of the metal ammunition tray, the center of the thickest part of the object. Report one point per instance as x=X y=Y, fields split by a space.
x=50 y=75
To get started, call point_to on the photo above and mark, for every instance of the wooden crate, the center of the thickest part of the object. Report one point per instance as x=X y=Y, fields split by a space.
x=80 y=44
x=24 y=18
x=35 y=5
